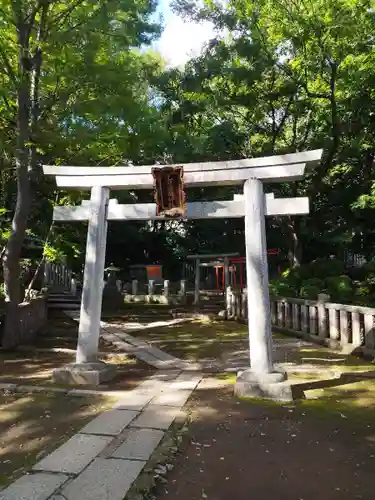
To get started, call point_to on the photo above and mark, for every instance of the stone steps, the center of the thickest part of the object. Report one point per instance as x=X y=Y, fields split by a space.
x=59 y=300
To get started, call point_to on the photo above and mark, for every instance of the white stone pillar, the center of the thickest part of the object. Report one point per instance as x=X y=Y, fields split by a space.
x=166 y=288
x=151 y=287
x=134 y=287
x=183 y=287
x=46 y=274
x=91 y=304
x=73 y=286
x=226 y=273
x=183 y=291
x=229 y=302
x=259 y=311
x=261 y=380
x=197 y=281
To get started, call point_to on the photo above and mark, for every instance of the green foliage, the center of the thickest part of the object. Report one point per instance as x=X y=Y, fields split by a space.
x=309 y=292
x=281 y=288
x=293 y=276
x=53 y=254
x=363 y=272
x=340 y=288
x=288 y=77
x=324 y=268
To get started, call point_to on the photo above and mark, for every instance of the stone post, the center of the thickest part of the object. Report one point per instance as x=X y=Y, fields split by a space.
x=88 y=369
x=229 y=302
x=166 y=289
x=151 y=287
x=322 y=323
x=226 y=273
x=183 y=291
x=134 y=287
x=47 y=267
x=197 y=281
x=226 y=277
x=73 y=286
x=261 y=379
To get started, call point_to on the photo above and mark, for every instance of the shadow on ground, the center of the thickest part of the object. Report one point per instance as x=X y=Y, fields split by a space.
x=250 y=450
x=56 y=346
x=32 y=425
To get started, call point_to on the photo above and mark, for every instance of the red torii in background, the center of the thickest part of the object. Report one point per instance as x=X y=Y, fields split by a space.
x=233 y=262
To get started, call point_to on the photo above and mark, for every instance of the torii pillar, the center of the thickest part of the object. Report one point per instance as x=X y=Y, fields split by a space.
x=261 y=379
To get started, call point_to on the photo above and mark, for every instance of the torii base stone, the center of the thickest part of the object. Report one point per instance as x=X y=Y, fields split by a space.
x=84 y=373
x=267 y=385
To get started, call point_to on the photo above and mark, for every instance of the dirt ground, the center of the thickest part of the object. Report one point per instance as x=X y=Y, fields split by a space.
x=33 y=425
x=55 y=347
x=241 y=450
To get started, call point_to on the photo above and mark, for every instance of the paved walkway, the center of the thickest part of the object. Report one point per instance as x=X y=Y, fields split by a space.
x=234 y=360
x=102 y=461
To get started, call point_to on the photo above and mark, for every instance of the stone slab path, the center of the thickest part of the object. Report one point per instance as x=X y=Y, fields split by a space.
x=233 y=361
x=119 y=336
x=102 y=461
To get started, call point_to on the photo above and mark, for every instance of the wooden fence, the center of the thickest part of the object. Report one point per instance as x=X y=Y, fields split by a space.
x=335 y=325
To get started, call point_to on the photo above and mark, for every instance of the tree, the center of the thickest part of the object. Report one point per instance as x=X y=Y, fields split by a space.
x=40 y=42
x=289 y=76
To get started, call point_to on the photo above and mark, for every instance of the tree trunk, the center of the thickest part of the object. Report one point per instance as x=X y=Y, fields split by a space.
x=12 y=252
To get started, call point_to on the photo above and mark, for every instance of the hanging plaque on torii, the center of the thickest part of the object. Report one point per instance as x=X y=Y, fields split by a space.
x=169 y=183
x=169 y=191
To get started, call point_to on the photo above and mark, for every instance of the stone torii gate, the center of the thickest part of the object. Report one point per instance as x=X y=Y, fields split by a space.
x=253 y=205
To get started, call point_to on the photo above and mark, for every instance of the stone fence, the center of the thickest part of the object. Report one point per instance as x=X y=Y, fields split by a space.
x=336 y=325
x=163 y=293
x=32 y=316
x=59 y=277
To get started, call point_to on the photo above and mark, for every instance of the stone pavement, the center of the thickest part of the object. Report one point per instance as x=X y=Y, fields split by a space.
x=102 y=461
x=233 y=360
x=119 y=337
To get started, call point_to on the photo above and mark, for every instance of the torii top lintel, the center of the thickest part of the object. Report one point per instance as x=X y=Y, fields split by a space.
x=289 y=167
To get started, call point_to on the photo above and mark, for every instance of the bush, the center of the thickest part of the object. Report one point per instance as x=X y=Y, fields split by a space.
x=362 y=291
x=323 y=268
x=369 y=281
x=281 y=288
x=362 y=296
x=309 y=292
x=362 y=272
x=340 y=288
x=317 y=282
x=293 y=276
x=311 y=288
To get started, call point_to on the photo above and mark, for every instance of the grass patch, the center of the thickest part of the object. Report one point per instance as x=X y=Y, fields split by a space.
x=350 y=395
x=199 y=329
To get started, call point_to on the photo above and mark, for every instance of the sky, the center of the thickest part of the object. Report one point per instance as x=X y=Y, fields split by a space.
x=180 y=39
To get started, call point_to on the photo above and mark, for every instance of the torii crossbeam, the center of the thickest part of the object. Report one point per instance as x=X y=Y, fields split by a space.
x=253 y=205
